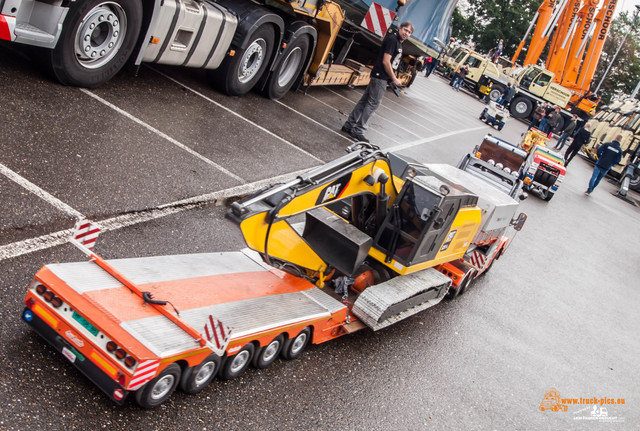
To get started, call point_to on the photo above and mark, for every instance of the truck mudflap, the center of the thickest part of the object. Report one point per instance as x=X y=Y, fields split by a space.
x=387 y=303
x=111 y=388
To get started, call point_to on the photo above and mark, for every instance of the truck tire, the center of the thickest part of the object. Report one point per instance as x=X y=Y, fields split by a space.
x=521 y=107
x=294 y=347
x=496 y=92
x=237 y=364
x=197 y=378
x=160 y=388
x=634 y=183
x=546 y=195
x=238 y=74
x=468 y=278
x=268 y=353
x=97 y=39
x=289 y=67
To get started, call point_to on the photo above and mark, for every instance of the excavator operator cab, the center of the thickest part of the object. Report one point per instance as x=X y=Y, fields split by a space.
x=418 y=225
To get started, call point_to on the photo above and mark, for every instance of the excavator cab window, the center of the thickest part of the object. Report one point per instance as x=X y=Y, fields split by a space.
x=419 y=220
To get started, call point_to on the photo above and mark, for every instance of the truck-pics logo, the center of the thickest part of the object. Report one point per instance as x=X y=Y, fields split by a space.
x=551 y=401
x=334 y=190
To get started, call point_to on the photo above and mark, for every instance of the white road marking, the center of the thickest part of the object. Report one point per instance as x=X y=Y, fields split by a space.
x=57 y=203
x=433 y=138
x=54 y=239
x=382 y=106
x=333 y=107
x=208 y=99
x=335 y=132
x=163 y=135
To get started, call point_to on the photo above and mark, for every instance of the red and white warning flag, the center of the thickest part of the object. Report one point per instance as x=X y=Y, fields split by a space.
x=86 y=233
x=217 y=334
x=378 y=19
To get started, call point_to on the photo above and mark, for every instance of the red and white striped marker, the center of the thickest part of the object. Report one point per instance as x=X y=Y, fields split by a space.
x=378 y=19
x=145 y=371
x=7 y=27
x=477 y=259
x=86 y=233
x=217 y=334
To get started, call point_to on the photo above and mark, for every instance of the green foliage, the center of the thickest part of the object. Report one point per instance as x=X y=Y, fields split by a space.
x=624 y=72
x=485 y=22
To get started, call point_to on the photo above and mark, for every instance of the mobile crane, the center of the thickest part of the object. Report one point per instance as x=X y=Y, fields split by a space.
x=392 y=236
x=570 y=62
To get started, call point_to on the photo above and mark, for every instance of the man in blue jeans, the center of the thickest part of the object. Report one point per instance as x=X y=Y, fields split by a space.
x=609 y=154
x=383 y=73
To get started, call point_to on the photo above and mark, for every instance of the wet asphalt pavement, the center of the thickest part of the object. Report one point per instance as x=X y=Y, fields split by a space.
x=559 y=309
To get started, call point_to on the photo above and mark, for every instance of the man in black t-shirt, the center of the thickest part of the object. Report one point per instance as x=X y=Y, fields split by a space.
x=383 y=73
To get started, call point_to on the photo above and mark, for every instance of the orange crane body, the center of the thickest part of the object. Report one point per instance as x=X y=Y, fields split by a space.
x=538 y=40
x=603 y=23
x=561 y=40
x=574 y=59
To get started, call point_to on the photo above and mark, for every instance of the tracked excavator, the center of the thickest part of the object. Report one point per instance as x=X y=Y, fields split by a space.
x=363 y=241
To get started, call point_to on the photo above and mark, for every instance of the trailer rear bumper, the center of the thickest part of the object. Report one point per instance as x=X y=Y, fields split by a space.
x=111 y=388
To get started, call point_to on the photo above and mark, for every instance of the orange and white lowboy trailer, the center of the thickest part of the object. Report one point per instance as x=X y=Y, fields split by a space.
x=260 y=303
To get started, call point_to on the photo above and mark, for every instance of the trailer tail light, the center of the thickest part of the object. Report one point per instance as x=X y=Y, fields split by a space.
x=130 y=362
x=121 y=354
x=111 y=347
x=46 y=316
x=41 y=289
x=104 y=365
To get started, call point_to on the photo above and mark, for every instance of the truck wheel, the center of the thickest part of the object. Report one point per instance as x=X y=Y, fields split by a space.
x=546 y=195
x=634 y=183
x=97 y=39
x=294 y=347
x=500 y=126
x=197 y=378
x=238 y=74
x=521 y=107
x=288 y=68
x=496 y=92
x=160 y=388
x=237 y=364
x=468 y=278
x=268 y=353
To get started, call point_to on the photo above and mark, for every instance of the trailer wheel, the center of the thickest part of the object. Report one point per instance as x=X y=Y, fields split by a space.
x=97 y=39
x=294 y=347
x=268 y=353
x=160 y=388
x=468 y=278
x=288 y=68
x=197 y=378
x=237 y=364
x=238 y=74
x=521 y=107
